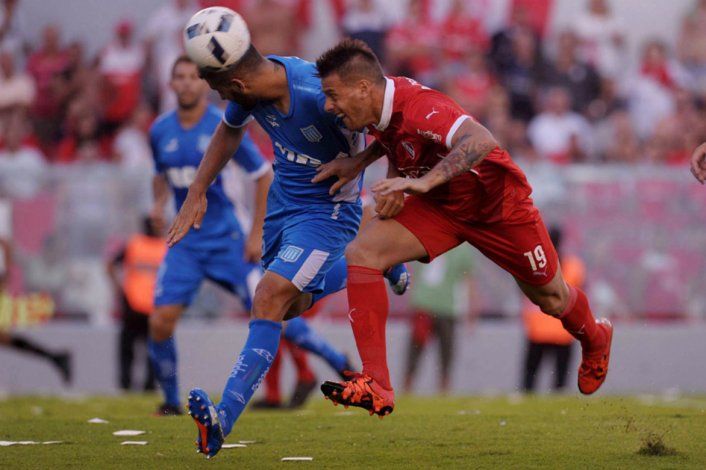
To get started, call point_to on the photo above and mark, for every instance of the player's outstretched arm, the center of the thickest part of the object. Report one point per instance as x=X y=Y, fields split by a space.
x=253 y=245
x=347 y=169
x=224 y=143
x=470 y=145
x=698 y=163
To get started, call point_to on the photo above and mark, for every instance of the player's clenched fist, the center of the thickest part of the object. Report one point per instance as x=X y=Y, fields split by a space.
x=190 y=215
x=388 y=205
x=698 y=163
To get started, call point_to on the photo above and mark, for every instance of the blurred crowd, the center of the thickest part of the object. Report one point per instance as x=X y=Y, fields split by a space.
x=576 y=94
x=559 y=96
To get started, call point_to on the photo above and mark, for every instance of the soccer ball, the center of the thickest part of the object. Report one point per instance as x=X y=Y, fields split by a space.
x=216 y=38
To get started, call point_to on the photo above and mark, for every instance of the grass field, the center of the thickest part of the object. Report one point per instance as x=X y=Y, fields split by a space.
x=474 y=432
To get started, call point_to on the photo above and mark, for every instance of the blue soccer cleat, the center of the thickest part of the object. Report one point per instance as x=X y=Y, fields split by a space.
x=204 y=413
x=399 y=278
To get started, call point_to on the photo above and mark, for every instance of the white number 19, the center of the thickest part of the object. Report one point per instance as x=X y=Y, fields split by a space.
x=536 y=258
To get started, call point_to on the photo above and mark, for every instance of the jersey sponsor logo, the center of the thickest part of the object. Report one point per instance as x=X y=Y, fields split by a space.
x=433 y=112
x=172 y=145
x=181 y=176
x=271 y=120
x=429 y=135
x=295 y=157
x=290 y=253
x=202 y=144
x=409 y=148
x=312 y=134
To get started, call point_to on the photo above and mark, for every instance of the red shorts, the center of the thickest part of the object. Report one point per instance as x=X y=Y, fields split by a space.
x=518 y=242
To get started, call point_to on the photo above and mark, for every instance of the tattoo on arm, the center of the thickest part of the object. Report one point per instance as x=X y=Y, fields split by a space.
x=467 y=153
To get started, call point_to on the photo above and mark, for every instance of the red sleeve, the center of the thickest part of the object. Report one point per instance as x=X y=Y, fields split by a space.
x=434 y=117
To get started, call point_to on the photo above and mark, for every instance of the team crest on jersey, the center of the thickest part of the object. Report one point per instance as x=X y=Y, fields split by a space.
x=312 y=134
x=271 y=120
x=172 y=146
x=290 y=253
x=409 y=148
x=202 y=144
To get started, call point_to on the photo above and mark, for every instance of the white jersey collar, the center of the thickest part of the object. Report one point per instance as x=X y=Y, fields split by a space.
x=387 y=102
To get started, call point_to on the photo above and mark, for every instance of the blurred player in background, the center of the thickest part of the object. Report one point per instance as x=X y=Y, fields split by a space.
x=139 y=261
x=440 y=296
x=306 y=229
x=464 y=188
x=545 y=334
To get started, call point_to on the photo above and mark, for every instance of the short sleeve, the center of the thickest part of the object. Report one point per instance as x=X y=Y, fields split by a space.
x=158 y=167
x=236 y=116
x=250 y=159
x=434 y=117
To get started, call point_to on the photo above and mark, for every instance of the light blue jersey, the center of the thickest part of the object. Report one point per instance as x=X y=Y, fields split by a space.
x=302 y=139
x=216 y=250
x=306 y=229
x=177 y=153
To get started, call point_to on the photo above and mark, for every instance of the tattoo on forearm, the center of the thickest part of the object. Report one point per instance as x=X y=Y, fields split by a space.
x=468 y=152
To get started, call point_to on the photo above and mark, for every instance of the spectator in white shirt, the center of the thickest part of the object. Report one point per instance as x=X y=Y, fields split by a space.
x=22 y=168
x=602 y=39
x=558 y=134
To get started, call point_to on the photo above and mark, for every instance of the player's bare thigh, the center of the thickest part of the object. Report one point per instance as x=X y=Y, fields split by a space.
x=383 y=243
x=163 y=321
x=274 y=295
x=552 y=297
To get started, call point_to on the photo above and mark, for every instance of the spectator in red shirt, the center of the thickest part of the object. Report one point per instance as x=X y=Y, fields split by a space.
x=121 y=63
x=471 y=83
x=461 y=31
x=413 y=46
x=45 y=65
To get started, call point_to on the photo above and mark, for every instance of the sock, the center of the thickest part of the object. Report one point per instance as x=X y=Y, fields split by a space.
x=253 y=363
x=299 y=356
x=578 y=320
x=164 y=361
x=368 y=308
x=28 y=346
x=334 y=281
x=272 y=389
x=298 y=331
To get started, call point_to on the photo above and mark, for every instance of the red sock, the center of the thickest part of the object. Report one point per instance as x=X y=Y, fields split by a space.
x=272 y=391
x=578 y=320
x=299 y=356
x=368 y=308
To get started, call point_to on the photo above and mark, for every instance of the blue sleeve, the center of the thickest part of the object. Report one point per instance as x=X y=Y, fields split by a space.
x=249 y=158
x=236 y=116
x=158 y=167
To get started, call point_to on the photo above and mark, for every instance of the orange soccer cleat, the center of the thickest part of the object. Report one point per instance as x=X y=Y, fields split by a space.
x=362 y=391
x=594 y=364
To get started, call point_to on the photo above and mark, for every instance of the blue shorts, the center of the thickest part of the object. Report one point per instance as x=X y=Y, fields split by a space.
x=185 y=267
x=301 y=243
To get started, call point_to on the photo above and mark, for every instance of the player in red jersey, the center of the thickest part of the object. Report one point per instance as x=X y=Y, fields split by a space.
x=464 y=188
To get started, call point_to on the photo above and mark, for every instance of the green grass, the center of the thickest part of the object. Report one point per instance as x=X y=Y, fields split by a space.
x=473 y=432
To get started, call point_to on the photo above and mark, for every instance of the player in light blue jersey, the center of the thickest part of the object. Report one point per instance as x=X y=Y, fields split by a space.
x=222 y=250
x=306 y=228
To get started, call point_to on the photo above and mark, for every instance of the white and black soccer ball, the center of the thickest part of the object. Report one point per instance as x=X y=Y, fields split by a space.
x=216 y=38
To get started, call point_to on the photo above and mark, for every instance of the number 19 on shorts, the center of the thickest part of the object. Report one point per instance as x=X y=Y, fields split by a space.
x=536 y=257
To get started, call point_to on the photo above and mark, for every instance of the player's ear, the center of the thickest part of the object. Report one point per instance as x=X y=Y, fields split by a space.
x=363 y=87
x=239 y=84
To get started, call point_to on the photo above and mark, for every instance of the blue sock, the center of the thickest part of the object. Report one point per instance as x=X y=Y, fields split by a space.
x=164 y=361
x=298 y=331
x=253 y=363
x=334 y=281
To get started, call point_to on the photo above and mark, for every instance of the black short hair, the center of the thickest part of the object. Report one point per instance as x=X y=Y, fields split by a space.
x=350 y=59
x=250 y=60
x=182 y=59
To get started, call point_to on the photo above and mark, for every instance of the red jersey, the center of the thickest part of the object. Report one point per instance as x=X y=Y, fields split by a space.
x=416 y=128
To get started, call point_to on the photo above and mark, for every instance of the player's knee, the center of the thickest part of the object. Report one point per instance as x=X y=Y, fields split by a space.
x=358 y=254
x=268 y=303
x=161 y=326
